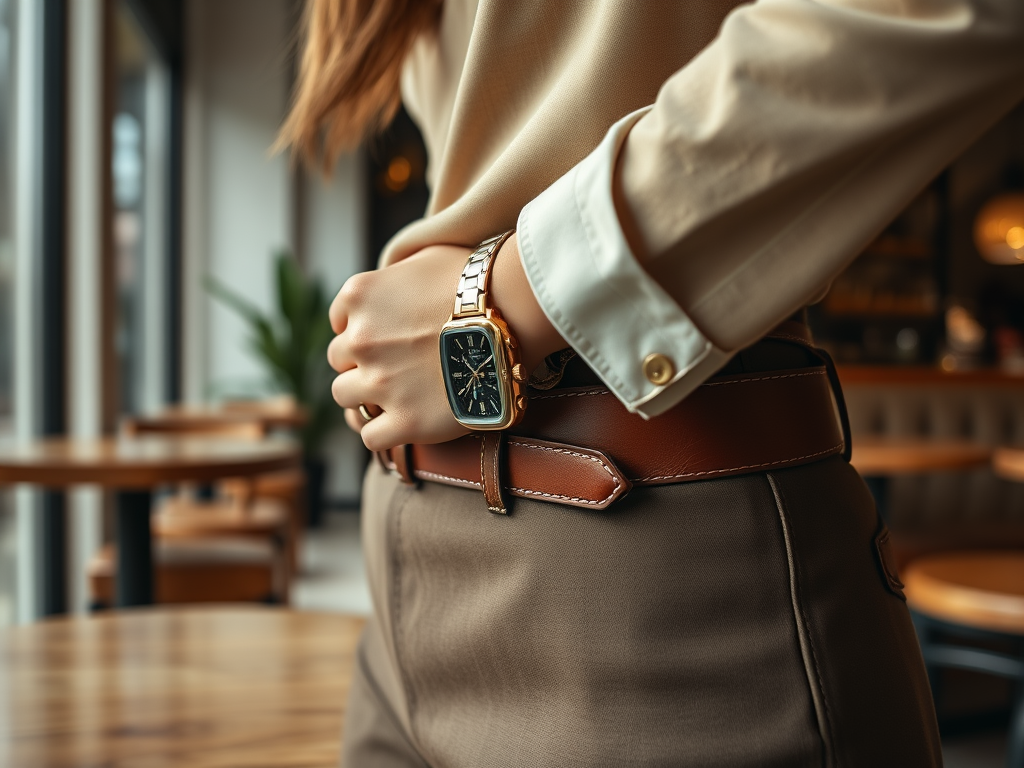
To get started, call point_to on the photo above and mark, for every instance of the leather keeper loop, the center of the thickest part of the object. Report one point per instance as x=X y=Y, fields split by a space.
x=401 y=457
x=492 y=471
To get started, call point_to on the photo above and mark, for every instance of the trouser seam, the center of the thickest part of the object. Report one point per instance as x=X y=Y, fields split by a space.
x=381 y=701
x=396 y=616
x=812 y=668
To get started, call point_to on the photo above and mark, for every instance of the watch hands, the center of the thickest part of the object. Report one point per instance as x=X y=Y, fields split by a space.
x=475 y=377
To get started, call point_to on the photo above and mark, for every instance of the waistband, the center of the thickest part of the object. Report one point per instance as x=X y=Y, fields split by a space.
x=580 y=446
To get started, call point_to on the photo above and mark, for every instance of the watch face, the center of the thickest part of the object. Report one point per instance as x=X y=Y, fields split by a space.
x=475 y=390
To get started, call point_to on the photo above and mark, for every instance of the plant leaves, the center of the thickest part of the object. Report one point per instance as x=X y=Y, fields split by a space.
x=232 y=299
x=292 y=343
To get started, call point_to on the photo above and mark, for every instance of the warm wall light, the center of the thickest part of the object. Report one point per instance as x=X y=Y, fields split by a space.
x=398 y=174
x=999 y=229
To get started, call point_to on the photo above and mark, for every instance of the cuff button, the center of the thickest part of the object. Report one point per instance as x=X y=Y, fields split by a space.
x=658 y=369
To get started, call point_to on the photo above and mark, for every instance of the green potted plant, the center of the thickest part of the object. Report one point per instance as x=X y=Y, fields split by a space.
x=291 y=344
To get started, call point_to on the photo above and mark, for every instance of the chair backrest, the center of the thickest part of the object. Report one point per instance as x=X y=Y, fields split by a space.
x=281 y=404
x=988 y=412
x=196 y=426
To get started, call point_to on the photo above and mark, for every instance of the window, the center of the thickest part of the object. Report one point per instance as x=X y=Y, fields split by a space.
x=6 y=249
x=7 y=532
x=139 y=168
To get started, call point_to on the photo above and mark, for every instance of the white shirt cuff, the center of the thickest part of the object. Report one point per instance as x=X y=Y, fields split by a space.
x=598 y=296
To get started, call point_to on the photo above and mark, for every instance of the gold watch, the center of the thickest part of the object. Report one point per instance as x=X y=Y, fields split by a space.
x=479 y=356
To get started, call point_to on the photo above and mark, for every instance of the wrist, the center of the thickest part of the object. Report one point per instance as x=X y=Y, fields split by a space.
x=514 y=298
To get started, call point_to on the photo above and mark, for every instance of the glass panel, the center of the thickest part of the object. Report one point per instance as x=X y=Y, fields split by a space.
x=6 y=250
x=7 y=535
x=139 y=165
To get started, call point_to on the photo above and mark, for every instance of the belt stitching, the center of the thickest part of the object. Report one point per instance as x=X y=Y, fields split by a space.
x=836 y=447
x=586 y=393
x=594 y=459
x=590 y=392
x=424 y=475
x=764 y=378
x=460 y=481
x=434 y=475
x=563 y=498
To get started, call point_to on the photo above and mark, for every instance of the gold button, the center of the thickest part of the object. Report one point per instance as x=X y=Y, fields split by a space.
x=658 y=369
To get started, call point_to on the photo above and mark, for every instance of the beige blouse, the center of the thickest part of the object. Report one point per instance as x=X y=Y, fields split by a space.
x=761 y=148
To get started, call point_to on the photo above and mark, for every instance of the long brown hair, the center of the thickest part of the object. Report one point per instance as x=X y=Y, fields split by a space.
x=348 y=85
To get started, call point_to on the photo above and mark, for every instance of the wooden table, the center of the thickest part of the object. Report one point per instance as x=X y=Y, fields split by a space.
x=181 y=417
x=1008 y=463
x=195 y=688
x=971 y=596
x=880 y=458
x=902 y=456
x=984 y=590
x=134 y=466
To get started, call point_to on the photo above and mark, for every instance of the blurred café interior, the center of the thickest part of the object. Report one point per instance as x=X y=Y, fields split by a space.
x=167 y=435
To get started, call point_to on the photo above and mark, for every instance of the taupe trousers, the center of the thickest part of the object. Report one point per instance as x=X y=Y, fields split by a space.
x=732 y=622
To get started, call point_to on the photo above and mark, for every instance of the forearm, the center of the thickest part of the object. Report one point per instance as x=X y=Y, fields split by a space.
x=512 y=295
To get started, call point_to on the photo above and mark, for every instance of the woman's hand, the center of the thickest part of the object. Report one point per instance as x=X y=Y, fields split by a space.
x=386 y=350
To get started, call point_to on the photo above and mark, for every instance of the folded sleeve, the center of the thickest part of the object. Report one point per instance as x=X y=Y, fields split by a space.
x=762 y=169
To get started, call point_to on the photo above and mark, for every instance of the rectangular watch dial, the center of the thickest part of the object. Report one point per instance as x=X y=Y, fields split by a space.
x=472 y=377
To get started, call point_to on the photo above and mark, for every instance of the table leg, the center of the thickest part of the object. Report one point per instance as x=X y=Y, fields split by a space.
x=1015 y=740
x=134 y=584
x=55 y=553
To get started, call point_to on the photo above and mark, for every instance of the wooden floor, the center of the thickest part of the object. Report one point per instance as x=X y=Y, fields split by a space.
x=196 y=688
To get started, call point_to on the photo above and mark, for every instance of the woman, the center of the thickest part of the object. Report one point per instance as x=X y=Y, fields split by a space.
x=681 y=178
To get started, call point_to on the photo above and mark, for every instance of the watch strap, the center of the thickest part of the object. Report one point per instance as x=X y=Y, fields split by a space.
x=471 y=295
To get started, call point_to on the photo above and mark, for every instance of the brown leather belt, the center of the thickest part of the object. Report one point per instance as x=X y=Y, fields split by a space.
x=580 y=446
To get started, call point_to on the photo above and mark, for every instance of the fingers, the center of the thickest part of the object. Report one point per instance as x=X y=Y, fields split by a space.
x=338 y=313
x=350 y=389
x=339 y=354
x=354 y=420
x=352 y=293
x=383 y=432
x=379 y=433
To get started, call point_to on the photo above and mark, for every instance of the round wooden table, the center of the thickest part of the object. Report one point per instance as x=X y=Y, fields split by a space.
x=902 y=455
x=194 y=688
x=970 y=596
x=984 y=590
x=880 y=458
x=134 y=466
x=185 y=417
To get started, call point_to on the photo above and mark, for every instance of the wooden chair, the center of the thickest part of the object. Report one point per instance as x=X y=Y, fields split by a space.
x=237 y=546
x=246 y=420
x=219 y=570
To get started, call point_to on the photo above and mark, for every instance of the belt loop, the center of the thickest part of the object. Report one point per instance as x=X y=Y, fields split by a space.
x=384 y=460
x=402 y=456
x=492 y=469
x=837 y=393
